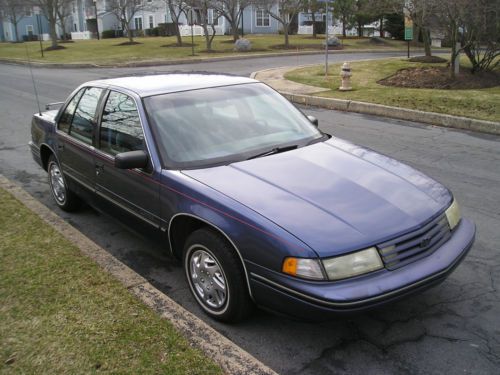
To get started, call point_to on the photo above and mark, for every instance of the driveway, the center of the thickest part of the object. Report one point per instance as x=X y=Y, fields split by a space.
x=453 y=328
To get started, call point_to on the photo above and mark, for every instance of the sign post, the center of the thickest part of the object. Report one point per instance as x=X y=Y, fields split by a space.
x=326 y=40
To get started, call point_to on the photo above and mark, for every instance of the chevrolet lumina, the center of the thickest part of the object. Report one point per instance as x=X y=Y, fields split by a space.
x=260 y=205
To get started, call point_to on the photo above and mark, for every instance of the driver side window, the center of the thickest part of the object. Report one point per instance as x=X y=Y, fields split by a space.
x=121 y=128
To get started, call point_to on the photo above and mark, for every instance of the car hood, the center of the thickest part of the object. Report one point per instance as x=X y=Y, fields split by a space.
x=334 y=196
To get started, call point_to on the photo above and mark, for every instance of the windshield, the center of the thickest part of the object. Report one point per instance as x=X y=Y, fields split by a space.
x=222 y=125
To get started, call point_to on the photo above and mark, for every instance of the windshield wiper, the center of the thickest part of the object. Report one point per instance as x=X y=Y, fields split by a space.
x=275 y=150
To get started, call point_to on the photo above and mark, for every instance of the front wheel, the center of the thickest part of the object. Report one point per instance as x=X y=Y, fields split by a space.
x=216 y=277
x=64 y=198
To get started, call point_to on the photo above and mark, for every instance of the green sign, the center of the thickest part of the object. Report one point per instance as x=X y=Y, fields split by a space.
x=408 y=33
x=408 y=25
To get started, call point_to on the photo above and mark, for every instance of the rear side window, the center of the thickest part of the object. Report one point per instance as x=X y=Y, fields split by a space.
x=69 y=111
x=121 y=129
x=84 y=118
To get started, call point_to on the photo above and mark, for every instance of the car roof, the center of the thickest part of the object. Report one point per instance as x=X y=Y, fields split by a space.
x=149 y=85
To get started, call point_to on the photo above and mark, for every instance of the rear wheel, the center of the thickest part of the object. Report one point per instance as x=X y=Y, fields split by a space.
x=216 y=277
x=64 y=198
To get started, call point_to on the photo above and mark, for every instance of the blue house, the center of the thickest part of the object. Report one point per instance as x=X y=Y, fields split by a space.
x=31 y=25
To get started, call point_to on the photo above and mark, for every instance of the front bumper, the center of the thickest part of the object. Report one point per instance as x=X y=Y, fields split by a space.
x=319 y=300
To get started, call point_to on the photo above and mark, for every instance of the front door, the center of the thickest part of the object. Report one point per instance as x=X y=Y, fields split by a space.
x=135 y=191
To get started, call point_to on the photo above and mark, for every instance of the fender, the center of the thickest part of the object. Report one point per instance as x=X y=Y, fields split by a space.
x=218 y=230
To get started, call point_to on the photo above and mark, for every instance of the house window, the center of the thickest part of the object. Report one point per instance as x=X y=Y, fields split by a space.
x=262 y=18
x=151 y=22
x=27 y=12
x=29 y=30
x=138 y=23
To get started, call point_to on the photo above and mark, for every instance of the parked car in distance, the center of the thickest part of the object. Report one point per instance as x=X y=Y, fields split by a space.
x=261 y=206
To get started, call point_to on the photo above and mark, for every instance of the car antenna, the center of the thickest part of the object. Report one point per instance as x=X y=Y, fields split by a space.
x=33 y=80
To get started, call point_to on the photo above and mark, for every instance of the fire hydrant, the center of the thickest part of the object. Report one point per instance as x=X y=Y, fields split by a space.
x=346 y=74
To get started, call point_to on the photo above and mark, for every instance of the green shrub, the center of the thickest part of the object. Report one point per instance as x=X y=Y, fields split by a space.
x=107 y=34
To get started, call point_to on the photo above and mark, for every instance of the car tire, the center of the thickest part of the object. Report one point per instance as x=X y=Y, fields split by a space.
x=63 y=196
x=216 y=277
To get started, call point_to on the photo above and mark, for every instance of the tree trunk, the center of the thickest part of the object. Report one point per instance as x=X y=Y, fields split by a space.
x=427 y=42
x=343 y=27
x=285 y=31
x=454 y=52
x=175 y=20
x=130 y=35
x=63 y=29
x=381 y=28
x=314 y=24
x=236 y=32
x=360 y=29
x=178 y=36
x=53 y=32
x=16 y=32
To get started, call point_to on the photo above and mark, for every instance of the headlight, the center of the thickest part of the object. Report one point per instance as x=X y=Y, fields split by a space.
x=354 y=264
x=306 y=268
x=453 y=214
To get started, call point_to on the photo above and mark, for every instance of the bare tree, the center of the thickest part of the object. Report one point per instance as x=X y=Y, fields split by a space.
x=176 y=8
x=207 y=18
x=49 y=9
x=451 y=14
x=231 y=10
x=344 y=11
x=125 y=10
x=423 y=14
x=14 y=11
x=480 y=34
x=282 y=11
x=63 y=13
x=312 y=7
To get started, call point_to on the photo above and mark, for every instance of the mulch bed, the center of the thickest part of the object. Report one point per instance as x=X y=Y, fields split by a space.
x=177 y=46
x=127 y=44
x=428 y=59
x=54 y=48
x=439 y=78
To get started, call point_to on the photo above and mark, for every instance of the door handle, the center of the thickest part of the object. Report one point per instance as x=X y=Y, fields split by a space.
x=60 y=147
x=99 y=168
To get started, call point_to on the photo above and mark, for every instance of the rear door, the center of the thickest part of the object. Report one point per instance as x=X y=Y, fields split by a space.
x=76 y=137
x=135 y=191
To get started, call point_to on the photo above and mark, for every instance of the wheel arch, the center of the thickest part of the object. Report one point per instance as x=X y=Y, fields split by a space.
x=45 y=152
x=181 y=225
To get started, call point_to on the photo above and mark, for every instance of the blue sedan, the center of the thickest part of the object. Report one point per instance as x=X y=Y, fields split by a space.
x=260 y=205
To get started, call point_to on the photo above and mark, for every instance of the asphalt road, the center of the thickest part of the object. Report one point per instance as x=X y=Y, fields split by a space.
x=453 y=328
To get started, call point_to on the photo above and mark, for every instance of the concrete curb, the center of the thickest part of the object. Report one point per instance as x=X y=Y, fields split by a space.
x=432 y=118
x=456 y=122
x=232 y=358
x=150 y=63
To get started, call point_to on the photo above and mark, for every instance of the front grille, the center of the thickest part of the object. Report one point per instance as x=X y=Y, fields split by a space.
x=413 y=246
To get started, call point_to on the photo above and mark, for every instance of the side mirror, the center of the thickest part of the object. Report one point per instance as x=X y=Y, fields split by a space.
x=131 y=160
x=313 y=120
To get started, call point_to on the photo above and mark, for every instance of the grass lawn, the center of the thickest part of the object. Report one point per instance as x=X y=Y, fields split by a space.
x=107 y=51
x=477 y=103
x=61 y=314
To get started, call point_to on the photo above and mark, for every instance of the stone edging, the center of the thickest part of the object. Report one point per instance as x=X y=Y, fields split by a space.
x=432 y=118
x=228 y=355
